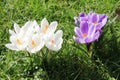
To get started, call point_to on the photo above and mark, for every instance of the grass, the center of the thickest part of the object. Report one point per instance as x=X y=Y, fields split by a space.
x=72 y=61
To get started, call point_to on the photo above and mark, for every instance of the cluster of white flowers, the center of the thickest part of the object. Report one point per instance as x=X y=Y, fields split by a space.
x=32 y=38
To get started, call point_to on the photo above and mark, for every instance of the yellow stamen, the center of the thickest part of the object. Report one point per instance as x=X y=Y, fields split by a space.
x=45 y=29
x=19 y=42
x=52 y=41
x=95 y=23
x=84 y=35
x=33 y=43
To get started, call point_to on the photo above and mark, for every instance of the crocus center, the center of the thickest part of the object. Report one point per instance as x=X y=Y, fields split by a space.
x=33 y=43
x=84 y=35
x=95 y=22
x=19 y=41
x=52 y=41
x=45 y=29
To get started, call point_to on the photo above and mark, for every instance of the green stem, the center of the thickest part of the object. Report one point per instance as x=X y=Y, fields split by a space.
x=89 y=49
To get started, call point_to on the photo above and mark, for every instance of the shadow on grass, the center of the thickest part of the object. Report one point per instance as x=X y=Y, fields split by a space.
x=71 y=67
x=108 y=51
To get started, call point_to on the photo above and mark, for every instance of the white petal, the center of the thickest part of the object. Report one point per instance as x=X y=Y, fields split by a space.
x=12 y=47
x=49 y=46
x=53 y=47
x=26 y=26
x=16 y=28
x=59 y=41
x=12 y=39
x=11 y=32
x=38 y=48
x=58 y=34
x=57 y=48
x=44 y=22
x=53 y=26
x=36 y=26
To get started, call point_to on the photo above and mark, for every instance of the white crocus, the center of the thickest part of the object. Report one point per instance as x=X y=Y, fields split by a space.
x=54 y=42
x=47 y=28
x=36 y=42
x=18 y=38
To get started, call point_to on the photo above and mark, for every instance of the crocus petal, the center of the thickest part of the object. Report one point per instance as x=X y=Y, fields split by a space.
x=53 y=47
x=99 y=26
x=12 y=47
x=79 y=40
x=89 y=40
x=91 y=30
x=44 y=22
x=76 y=39
x=16 y=28
x=53 y=26
x=94 y=18
x=82 y=17
x=36 y=26
x=77 y=32
x=82 y=14
x=97 y=35
x=12 y=39
x=58 y=44
x=11 y=32
x=26 y=26
x=36 y=49
x=58 y=34
x=103 y=19
x=57 y=48
x=84 y=27
x=76 y=21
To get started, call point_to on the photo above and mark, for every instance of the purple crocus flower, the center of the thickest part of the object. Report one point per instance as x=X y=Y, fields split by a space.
x=86 y=33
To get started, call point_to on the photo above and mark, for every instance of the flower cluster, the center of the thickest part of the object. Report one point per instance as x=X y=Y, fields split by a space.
x=32 y=38
x=89 y=27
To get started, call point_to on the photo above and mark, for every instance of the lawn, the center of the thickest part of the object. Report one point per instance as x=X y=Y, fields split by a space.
x=71 y=62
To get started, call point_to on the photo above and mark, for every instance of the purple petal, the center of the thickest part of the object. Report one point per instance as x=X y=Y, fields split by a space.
x=104 y=20
x=94 y=18
x=97 y=35
x=92 y=30
x=80 y=40
x=76 y=39
x=99 y=26
x=84 y=27
x=77 y=32
x=83 y=19
x=82 y=14
x=101 y=17
x=89 y=40
x=76 y=20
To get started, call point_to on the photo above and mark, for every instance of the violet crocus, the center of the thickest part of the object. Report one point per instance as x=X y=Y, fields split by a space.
x=86 y=33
